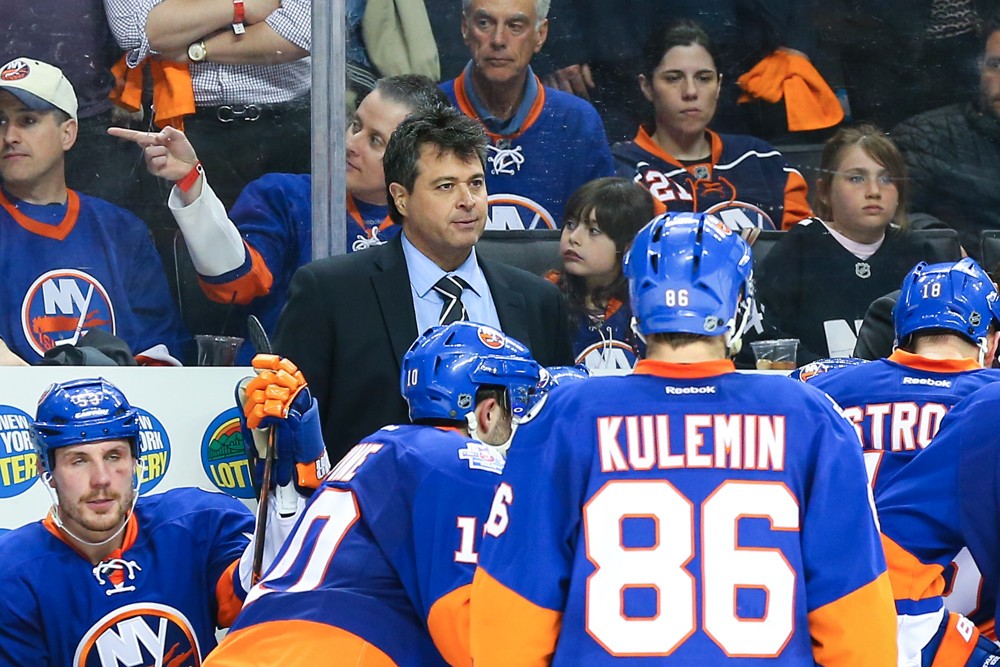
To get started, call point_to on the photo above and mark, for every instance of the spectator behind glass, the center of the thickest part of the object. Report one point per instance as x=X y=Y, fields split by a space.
x=544 y=143
x=953 y=153
x=250 y=112
x=687 y=167
x=79 y=42
x=70 y=262
x=602 y=218
x=249 y=256
x=818 y=281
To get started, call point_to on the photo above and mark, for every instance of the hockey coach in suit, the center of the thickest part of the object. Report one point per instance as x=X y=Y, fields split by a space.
x=349 y=319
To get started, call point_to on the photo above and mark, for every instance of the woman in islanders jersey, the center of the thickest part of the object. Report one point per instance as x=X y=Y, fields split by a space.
x=602 y=218
x=688 y=167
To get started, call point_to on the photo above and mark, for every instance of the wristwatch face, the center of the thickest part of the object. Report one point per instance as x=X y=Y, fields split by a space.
x=196 y=52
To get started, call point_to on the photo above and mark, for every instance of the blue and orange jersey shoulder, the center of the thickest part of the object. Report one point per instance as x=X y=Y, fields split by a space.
x=386 y=549
x=589 y=484
x=944 y=500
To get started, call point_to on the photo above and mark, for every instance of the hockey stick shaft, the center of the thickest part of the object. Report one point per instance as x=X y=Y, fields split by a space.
x=263 y=345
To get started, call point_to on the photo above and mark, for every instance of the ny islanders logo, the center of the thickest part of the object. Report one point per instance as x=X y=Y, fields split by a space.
x=223 y=455
x=740 y=215
x=63 y=305
x=15 y=70
x=609 y=357
x=491 y=339
x=509 y=211
x=137 y=635
x=18 y=463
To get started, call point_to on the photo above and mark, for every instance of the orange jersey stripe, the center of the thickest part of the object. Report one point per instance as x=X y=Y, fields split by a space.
x=857 y=630
x=448 y=622
x=911 y=579
x=957 y=644
x=225 y=595
x=507 y=629
x=244 y=289
x=295 y=644
x=796 y=203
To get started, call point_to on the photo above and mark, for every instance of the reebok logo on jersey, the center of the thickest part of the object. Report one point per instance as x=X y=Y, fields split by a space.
x=929 y=382
x=680 y=391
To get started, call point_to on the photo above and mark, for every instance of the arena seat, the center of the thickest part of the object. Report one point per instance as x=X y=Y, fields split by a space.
x=534 y=250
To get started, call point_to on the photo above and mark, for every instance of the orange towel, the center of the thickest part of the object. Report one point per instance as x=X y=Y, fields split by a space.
x=809 y=101
x=173 y=96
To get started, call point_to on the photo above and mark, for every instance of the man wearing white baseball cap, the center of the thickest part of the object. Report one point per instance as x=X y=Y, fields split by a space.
x=39 y=86
x=72 y=262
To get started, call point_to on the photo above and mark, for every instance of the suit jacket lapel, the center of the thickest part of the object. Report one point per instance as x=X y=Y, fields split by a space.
x=509 y=301
x=392 y=289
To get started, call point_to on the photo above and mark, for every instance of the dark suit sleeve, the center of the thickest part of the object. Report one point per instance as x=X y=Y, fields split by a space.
x=877 y=332
x=562 y=338
x=305 y=333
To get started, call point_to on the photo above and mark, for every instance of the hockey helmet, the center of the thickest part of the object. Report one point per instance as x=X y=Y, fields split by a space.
x=958 y=297
x=79 y=412
x=689 y=273
x=445 y=367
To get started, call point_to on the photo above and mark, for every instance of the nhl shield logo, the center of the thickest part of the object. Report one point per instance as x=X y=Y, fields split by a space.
x=701 y=172
x=863 y=270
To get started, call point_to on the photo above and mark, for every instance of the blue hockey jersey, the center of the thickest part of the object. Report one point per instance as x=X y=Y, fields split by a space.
x=897 y=404
x=71 y=268
x=531 y=174
x=945 y=499
x=274 y=216
x=609 y=347
x=378 y=569
x=157 y=600
x=684 y=515
x=746 y=181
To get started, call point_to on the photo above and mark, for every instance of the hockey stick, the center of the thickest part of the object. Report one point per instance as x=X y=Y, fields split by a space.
x=263 y=346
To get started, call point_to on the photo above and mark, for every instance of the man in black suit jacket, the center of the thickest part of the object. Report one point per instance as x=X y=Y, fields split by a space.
x=349 y=319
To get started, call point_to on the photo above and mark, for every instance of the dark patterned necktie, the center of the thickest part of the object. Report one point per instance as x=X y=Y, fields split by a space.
x=450 y=288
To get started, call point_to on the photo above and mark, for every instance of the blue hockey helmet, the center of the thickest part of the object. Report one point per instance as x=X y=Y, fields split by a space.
x=820 y=366
x=445 y=367
x=957 y=297
x=79 y=412
x=689 y=273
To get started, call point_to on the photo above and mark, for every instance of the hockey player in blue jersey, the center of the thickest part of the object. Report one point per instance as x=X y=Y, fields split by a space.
x=946 y=321
x=378 y=570
x=248 y=256
x=686 y=514
x=943 y=501
x=109 y=579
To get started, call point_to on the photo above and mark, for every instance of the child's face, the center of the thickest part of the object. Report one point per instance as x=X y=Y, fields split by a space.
x=863 y=197
x=588 y=252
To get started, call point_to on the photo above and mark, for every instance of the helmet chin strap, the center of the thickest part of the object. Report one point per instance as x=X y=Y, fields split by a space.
x=54 y=495
x=984 y=346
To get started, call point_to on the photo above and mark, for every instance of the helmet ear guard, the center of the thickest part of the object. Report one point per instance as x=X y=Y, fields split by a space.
x=689 y=273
